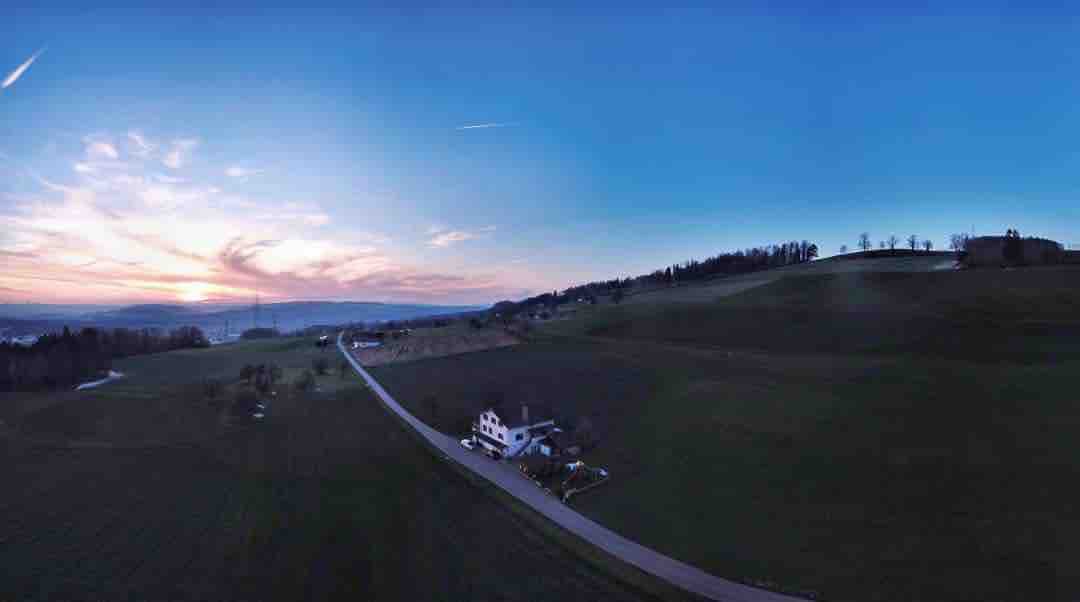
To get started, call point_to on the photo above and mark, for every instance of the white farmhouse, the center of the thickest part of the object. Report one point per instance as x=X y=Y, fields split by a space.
x=509 y=433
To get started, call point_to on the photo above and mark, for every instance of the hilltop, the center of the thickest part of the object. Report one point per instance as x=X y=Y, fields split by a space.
x=843 y=428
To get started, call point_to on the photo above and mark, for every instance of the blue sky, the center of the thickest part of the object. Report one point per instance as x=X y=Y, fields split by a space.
x=188 y=153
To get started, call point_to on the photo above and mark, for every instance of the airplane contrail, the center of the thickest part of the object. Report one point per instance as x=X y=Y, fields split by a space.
x=479 y=126
x=14 y=75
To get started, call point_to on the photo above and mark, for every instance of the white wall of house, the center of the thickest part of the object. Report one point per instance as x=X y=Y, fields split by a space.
x=516 y=439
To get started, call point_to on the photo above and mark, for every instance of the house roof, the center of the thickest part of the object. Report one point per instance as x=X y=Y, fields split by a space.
x=490 y=440
x=537 y=431
x=512 y=416
x=559 y=439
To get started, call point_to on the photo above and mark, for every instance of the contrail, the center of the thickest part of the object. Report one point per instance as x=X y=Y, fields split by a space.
x=14 y=75
x=481 y=126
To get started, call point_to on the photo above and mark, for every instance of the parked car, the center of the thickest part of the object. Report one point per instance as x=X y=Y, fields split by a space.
x=468 y=443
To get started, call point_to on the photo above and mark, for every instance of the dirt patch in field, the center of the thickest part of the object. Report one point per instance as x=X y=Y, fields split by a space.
x=429 y=343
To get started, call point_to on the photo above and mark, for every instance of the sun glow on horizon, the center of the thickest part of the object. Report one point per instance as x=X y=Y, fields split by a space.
x=193 y=292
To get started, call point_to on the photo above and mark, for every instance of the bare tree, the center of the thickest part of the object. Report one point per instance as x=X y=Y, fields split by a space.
x=957 y=242
x=843 y=249
x=212 y=387
x=864 y=241
x=305 y=381
x=881 y=245
x=928 y=245
x=913 y=242
x=893 y=241
x=247 y=372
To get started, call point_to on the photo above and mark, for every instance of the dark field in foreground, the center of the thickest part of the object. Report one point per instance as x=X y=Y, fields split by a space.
x=327 y=498
x=907 y=472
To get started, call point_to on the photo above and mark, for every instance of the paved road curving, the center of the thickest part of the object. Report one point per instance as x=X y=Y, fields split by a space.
x=507 y=478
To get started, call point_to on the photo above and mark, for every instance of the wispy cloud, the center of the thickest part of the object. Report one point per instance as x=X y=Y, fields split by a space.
x=100 y=149
x=445 y=239
x=484 y=126
x=178 y=155
x=141 y=147
x=241 y=172
x=128 y=234
x=17 y=73
x=442 y=238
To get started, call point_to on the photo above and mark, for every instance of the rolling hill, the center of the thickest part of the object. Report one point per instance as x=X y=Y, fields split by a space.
x=830 y=429
x=212 y=318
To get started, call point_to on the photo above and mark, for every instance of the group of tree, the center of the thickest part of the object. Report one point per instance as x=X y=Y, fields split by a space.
x=723 y=264
x=67 y=359
x=865 y=244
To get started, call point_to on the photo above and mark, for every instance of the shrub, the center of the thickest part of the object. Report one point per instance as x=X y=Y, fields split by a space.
x=247 y=372
x=320 y=365
x=245 y=403
x=212 y=388
x=304 y=382
x=275 y=373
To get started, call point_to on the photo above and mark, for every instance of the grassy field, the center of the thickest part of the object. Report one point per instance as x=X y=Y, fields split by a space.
x=139 y=490
x=424 y=343
x=863 y=436
x=698 y=291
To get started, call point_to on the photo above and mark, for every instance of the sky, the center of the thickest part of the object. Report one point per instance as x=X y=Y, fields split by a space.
x=471 y=153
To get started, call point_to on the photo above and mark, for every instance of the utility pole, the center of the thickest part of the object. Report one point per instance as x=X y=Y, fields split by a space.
x=255 y=311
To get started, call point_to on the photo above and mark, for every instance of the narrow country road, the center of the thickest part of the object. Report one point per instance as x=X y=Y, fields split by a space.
x=505 y=477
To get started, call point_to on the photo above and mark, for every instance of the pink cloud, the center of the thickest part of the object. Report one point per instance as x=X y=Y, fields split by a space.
x=124 y=234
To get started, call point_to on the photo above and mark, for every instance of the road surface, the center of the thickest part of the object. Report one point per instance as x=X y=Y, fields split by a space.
x=510 y=480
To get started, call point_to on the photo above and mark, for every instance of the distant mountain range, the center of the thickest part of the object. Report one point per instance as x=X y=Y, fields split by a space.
x=212 y=318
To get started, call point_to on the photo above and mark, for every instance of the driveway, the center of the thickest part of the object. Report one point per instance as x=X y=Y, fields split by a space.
x=507 y=478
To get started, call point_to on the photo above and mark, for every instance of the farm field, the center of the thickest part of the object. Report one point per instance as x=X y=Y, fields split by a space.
x=435 y=342
x=764 y=439
x=141 y=491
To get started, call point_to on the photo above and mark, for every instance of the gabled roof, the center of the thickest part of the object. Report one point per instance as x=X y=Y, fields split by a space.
x=511 y=414
x=560 y=440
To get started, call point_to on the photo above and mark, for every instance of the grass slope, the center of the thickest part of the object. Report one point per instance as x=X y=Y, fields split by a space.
x=862 y=436
x=140 y=491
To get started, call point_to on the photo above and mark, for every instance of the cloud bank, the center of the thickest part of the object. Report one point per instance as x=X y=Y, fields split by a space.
x=115 y=230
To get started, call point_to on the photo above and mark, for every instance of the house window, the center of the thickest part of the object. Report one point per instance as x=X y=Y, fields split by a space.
x=519 y=437
x=500 y=436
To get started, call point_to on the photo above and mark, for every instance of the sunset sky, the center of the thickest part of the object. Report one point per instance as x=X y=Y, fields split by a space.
x=471 y=155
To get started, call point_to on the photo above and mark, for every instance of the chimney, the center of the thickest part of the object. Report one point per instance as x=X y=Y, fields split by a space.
x=525 y=414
